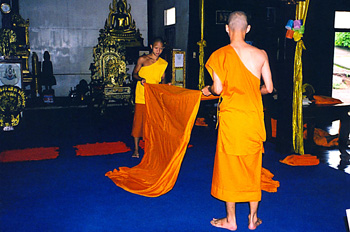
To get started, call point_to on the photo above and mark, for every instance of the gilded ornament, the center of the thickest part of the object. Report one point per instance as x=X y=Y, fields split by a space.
x=12 y=103
x=109 y=70
x=8 y=39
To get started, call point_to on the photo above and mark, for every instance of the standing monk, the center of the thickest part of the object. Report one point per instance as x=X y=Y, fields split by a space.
x=149 y=69
x=236 y=70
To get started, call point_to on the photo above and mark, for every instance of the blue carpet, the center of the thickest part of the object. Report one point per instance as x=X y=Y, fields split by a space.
x=72 y=194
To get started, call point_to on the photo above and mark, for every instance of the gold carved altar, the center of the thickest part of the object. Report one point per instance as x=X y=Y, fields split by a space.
x=14 y=43
x=21 y=28
x=110 y=81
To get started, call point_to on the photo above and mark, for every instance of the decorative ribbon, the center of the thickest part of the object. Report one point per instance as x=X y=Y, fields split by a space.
x=297 y=118
x=201 y=44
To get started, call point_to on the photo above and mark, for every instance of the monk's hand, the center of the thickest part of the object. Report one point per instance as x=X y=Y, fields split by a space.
x=143 y=81
x=206 y=91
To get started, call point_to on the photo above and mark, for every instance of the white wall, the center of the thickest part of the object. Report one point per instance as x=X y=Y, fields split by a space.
x=69 y=30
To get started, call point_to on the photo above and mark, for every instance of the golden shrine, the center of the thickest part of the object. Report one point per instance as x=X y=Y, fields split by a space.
x=14 y=43
x=21 y=28
x=14 y=65
x=109 y=71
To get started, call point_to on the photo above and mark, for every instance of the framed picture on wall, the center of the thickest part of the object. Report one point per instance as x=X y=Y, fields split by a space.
x=222 y=16
x=11 y=73
x=178 y=68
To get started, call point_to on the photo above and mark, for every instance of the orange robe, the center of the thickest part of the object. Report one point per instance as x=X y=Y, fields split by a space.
x=153 y=74
x=238 y=159
x=139 y=118
x=170 y=115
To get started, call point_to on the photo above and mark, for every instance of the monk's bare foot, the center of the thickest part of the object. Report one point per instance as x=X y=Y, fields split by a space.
x=254 y=223
x=224 y=223
x=135 y=155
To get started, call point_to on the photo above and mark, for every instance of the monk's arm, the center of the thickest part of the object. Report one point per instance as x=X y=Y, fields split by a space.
x=215 y=88
x=266 y=75
x=163 y=78
x=135 y=72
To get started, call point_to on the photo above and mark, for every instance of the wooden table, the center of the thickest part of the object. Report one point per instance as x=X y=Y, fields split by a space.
x=314 y=114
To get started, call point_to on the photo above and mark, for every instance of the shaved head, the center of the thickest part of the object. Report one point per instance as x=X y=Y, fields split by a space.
x=238 y=21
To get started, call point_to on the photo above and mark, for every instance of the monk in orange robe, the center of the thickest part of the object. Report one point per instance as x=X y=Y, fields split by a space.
x=149 y=69
x=236 y=70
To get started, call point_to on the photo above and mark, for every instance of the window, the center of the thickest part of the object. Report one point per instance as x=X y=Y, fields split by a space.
x=342 y=20
x=341 y=64
x=169 y=16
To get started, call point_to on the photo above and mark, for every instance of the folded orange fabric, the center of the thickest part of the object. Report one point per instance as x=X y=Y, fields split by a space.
x=211 y=97
x=324 y=100
x=101 y=148
x=274 y=128
x=301 y=160
x=170 y=115
x=267 y=183
x=41 y=153
x=323 y=138
x=200 y=122
x=142 y=144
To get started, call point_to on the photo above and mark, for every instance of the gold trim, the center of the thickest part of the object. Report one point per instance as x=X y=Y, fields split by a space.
x=297 y=117
x=202 y=43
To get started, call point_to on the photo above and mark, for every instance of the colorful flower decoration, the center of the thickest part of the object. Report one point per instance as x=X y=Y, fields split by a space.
x=295 y=29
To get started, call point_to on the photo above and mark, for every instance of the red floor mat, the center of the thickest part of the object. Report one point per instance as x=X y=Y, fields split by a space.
x=101 y=149
x=28 y=154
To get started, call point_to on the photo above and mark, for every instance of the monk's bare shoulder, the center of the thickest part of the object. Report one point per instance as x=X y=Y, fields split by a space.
x=258 y=54
x=263 y=53
x=145 y=60
x=142 y=59
x=256 y=51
